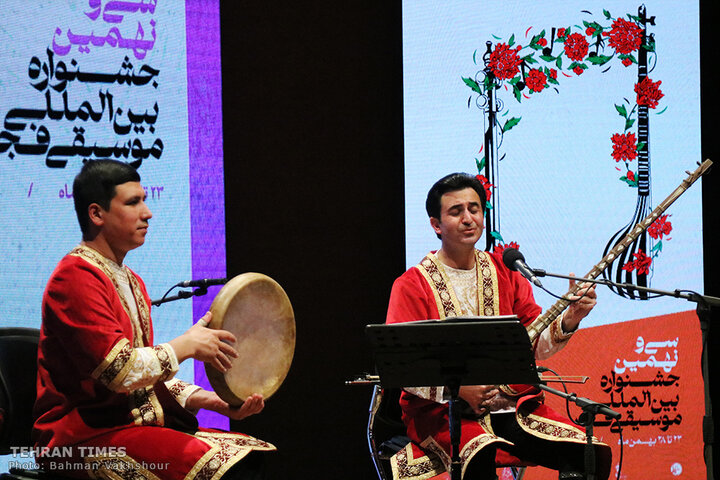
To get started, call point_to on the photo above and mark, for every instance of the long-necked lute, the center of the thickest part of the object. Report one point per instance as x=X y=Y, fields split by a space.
x=544 y=320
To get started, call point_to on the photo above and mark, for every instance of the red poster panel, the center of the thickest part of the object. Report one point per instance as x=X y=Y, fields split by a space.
x=649 y=370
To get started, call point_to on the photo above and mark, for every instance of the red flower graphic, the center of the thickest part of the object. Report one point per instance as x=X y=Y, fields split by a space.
x=501 y=247
x=576 y=47
x=578 y=70
x=624 y=147
x=630 y=175
x=488 y=186
x=625 y=37
x=641 y=263
x=648 y=92
x=536 y=80
x=561 y=32
x=504 y=61
x=660 y=228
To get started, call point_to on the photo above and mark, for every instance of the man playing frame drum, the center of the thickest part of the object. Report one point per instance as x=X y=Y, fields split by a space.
x=108 y=404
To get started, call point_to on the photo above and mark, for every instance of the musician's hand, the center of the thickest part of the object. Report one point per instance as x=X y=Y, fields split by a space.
x=477 y=396
x=252 y=405
x=582 y=302
x=206 y=344
x=211 y=401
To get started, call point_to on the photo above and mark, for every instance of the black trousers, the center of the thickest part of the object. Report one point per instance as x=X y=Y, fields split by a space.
x=567 y=458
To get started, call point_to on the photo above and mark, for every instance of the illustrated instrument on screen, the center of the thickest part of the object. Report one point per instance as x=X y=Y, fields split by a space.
x=544 y=320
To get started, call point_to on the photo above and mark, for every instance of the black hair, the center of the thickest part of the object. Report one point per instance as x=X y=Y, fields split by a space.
x=452 y=183
x=96 y=184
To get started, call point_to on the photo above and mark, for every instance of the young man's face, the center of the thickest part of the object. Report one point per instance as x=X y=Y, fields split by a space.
x=125 y=224
x=461 y=218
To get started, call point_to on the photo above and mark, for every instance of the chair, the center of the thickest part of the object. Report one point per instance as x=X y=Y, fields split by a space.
x=385 y=414
x=18 y=372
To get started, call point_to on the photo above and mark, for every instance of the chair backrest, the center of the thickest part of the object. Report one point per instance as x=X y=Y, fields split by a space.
x=18 y=389
x=385 y=430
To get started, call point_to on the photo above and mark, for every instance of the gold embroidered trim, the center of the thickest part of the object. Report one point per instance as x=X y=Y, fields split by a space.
x=469 y=450
x=167 y=359
x=145 y=407
x=237 y=440
x=446 y=300
x=103 y=264
x=115 y=365
x=488 y=300
x=550 y=429
x=429 y=445
x=475 y=445
x=118 y=467
x=405 y=467
x=556 y=331
x=447 y=303
x=436 y=460
x=226 y=450
x=142 y=306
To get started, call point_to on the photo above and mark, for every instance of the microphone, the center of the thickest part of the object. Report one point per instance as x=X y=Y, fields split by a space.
x=514 y=260
x=204 y=283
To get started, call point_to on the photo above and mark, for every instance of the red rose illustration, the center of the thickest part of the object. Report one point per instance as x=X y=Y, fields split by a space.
x=500 y=248
x=625 y=37
x=576 y=47
x=536 y=80
x=504 y=61
x=660 y=228
x=488 y=186
x=624 y=147
x=648 y=92
x=641 y=263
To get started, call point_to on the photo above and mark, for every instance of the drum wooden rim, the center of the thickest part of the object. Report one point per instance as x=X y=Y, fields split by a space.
x=256 y=309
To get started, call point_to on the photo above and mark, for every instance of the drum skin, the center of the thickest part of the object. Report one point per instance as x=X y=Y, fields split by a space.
x=256 y=309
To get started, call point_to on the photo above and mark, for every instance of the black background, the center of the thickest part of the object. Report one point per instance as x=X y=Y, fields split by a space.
x=313 y=145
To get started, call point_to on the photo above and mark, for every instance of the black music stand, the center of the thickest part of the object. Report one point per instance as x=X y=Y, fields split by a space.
x=454 y=352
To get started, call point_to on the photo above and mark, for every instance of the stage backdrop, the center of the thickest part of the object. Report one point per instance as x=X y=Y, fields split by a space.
x=580 y=117
x=135 y=81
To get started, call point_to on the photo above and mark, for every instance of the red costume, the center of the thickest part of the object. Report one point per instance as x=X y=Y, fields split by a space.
x=426 y=292
x=91 y=420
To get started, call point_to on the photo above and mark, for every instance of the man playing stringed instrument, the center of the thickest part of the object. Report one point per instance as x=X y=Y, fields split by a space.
x=108 y=405
x=499 y=424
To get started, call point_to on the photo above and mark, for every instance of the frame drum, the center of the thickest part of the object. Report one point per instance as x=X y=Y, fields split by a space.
x=256 y=309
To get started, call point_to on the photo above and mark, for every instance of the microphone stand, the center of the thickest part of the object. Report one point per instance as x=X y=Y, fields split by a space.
x=180 y=295
x=587 y=419
x=704 y=304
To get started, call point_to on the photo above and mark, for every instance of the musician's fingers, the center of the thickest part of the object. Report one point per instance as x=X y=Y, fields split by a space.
x=255 y=403
x=217 y=365
x=491 y=392
x=205 y=319
x=228 y=350
x=591 y=291
x=587 y=291
x=225 y=336
x=481 y=409
x=221 y=362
